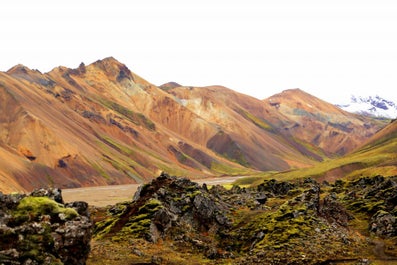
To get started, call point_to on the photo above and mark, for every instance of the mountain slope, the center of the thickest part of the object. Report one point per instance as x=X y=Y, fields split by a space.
x=102 y=124
x=377 y=156
x=320 y=123
x=244 y=135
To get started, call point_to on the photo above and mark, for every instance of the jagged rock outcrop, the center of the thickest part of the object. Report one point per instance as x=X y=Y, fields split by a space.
x=276 y=222
x=384 y=224
x=167 y=207
x=39 y=229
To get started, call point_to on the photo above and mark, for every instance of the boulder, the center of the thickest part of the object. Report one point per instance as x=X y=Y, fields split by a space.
x=39 y=229
x=383 y=224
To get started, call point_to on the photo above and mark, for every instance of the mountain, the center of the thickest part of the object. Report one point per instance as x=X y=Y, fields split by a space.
x=320 y=123
x=372 y=106
x=102 y=124
x=376 y=156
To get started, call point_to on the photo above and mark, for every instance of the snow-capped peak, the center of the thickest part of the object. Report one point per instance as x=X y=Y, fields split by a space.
x=374 y=106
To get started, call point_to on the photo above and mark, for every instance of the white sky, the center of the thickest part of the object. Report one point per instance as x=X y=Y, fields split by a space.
x=331 y=49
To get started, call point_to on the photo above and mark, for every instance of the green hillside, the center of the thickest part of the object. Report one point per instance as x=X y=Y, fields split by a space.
x=376 y=157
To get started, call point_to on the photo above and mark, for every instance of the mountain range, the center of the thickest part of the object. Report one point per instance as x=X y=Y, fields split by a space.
x=102 y=124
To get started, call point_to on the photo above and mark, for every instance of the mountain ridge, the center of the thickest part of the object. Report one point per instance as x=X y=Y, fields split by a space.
x=102 y=124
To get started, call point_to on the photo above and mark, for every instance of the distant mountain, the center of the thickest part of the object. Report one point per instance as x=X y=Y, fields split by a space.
x=102 y=124
x=317 y=122
x=376 y=156
x=371 y=106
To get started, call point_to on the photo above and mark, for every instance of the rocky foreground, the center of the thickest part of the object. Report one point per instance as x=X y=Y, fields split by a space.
x=176 y=221
x=40 y=229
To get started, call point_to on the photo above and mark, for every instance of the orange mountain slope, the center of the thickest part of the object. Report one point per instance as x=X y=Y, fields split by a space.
x=101 y=124
x=320 y=123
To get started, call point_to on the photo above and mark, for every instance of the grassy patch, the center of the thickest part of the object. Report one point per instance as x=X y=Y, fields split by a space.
x=247 y=180
x=224 y=168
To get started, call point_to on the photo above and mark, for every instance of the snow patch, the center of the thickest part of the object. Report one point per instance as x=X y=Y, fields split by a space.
x=373 y=106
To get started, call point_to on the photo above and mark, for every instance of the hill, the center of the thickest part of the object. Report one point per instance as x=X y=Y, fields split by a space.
x=376 y=156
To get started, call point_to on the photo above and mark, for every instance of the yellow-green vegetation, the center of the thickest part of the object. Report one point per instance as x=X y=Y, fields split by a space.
x=248 y=180
x=126 y=165
x=278 y=222
x=139 y=224
x=230 y=186
x=227 y=169
x=117 y=145
x=30 y=208
x=132 y=155
x=376 y=158
x=351 y=166
x=311 y=147
x=136 y=118
x=101 y=171
x=273 y=229
x=261 y=123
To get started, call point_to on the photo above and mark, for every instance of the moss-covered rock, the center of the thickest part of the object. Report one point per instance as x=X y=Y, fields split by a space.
x=166 y=207
x=36 y=229
x=32 y=208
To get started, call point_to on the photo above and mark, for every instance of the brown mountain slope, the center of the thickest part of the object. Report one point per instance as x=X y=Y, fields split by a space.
x=242 y=135
x=102 y=124
x=318 y=122
x=377 y=156
x=87 y=126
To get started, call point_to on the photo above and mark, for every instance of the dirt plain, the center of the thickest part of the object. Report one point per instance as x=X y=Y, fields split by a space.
x=109 y=195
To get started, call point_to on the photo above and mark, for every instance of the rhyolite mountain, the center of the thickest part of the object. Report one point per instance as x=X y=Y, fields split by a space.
x=101 y=124
x=374 y=157
x=320 y=123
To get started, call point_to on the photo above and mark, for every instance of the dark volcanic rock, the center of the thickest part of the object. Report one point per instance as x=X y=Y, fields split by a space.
x=39 y=229
x=383 y=224
x=277 y=222
x=334 y=211
x=168 y=207
x=54 y=194
x=274 y=188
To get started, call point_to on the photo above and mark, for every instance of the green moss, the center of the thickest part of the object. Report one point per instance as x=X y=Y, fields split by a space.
x=186 y=208
x=367 y=206
x=193 y=194
x=138 y=225
x=36 y=246
x=151 y=206
x=272 y=229
x=102 y=228
x=30 y=208
x=136 y=229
